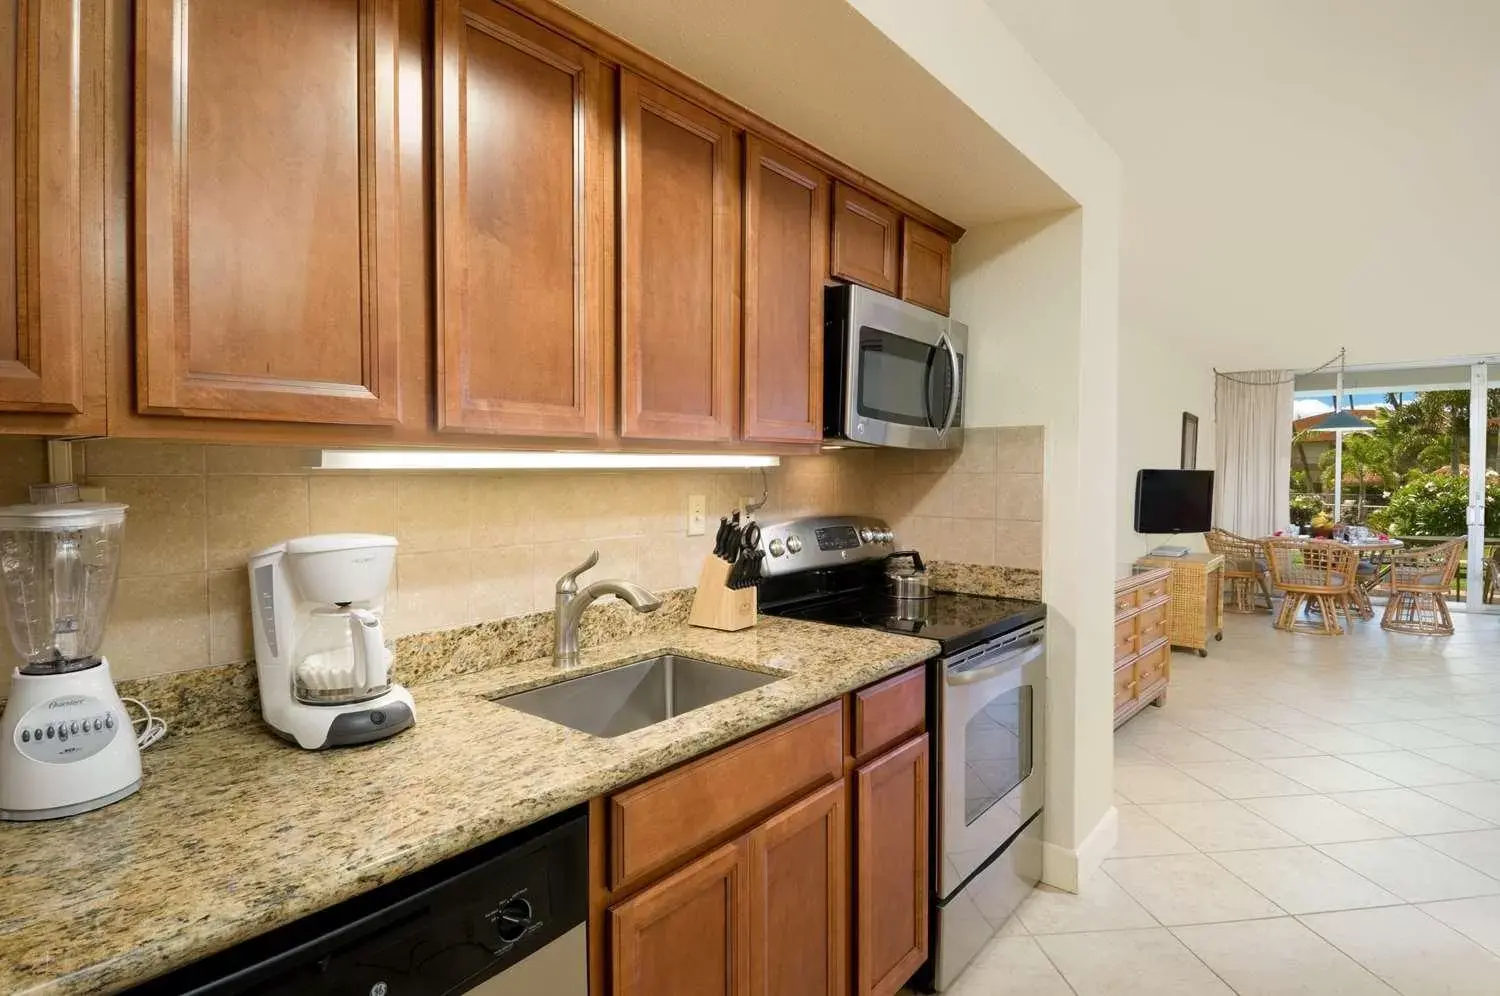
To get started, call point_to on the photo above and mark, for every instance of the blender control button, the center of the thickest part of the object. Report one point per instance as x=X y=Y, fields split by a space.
x=25 y=736
x=62 y=734
x=109 y=721
x=51 y=731
x=98 y=724
x=38 y=734
x=73 y=727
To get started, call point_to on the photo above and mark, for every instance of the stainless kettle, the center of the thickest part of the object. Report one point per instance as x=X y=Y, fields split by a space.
x=908 y=582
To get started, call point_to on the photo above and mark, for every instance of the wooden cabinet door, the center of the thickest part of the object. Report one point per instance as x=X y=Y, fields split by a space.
x=679 y=280
x=266 y=272
x=891 y=871
x=786 y=256
x=799 y=899
x=926 y=259
x=866 y=236
x=524 y=137
x=687 y=935
x=49 y=200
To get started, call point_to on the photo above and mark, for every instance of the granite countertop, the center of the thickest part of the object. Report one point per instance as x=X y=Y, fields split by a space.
x=234 y=832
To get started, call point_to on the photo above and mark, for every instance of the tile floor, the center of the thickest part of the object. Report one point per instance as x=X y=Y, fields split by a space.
x=1306 y=815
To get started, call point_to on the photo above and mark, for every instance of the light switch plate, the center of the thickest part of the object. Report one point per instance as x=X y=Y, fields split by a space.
x=697 y=512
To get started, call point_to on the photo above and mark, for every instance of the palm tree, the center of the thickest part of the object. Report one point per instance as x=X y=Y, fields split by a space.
x=1367 y=456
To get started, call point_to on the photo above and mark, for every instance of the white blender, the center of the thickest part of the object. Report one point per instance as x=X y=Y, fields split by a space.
x=320 y=653
x=67 y=744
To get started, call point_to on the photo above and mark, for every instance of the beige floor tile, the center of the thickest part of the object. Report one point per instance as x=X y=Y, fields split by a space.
x=1243 y=779
x=1188 y=888
x=1408 y=768
x=1011 y=966
x=1129 y=752
x=1129 y=963
x=1219 y=826
x=1278 y=957
x=1333 y=739
x=1203 y=719
x=1157 y=783
x=1482 y=762
x=1479 y=798
x=1407 y=735
x=1185 y=747
x=1260 y=743
x=1318 y=819
x=1477 y=919
x=1143 y=835
x=1268 y=713
x=1328 y=774
x=1099 y=905
x=1467 y=728
x=1476 y=848
x=1410 y=950
x=1412 y=870
x=1410 y=811
x=1304 y=880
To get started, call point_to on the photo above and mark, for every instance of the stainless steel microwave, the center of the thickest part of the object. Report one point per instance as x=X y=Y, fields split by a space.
x=892 y=372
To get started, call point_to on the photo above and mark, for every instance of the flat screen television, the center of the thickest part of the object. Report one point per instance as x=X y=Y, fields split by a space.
x=1174 y=501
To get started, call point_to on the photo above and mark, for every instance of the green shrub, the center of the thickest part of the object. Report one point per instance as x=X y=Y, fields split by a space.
x=1437 y=505
x=1304 y=507
x=1379 y=520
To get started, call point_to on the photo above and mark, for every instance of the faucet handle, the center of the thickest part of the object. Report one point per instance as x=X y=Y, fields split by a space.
x=568 y=583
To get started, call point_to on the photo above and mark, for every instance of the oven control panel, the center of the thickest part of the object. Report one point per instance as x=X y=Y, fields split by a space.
x=823 y=541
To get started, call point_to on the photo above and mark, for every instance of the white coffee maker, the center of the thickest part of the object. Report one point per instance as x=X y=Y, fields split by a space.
x=320 y=652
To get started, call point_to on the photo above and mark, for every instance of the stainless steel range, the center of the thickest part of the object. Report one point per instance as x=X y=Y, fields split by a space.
x=987 y=697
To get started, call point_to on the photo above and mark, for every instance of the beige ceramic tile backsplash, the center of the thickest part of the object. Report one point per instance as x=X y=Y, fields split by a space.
x=476 y=547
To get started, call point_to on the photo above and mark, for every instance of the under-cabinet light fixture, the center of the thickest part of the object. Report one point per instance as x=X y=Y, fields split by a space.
x=397 y=459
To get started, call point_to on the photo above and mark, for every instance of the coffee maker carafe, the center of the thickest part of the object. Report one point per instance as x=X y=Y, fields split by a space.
x=320 y=651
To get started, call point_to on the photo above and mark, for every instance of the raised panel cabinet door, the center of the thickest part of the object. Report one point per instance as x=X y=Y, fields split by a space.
x=687 y=935
x=525 y=209
x=266 y=271
x=786 y=256
x=866 y=239
x=679 y=280
x=49 y=264
x=891 y=874
x=799 y=899
x=926 y=259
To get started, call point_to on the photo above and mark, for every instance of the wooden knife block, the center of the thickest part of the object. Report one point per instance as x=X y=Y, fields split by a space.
x=718 y=607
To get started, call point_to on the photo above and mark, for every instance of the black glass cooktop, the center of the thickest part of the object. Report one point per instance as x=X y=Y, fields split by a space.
x=955 y=621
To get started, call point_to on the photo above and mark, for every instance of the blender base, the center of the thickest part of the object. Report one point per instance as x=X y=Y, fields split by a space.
x=57 y=812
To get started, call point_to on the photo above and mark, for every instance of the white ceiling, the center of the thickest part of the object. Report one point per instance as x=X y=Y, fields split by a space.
x=821 y=71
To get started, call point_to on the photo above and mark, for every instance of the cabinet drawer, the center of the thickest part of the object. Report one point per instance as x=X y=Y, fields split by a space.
x=1154 y=590
x=1151 y=625
x=1124 y=639
x=1125 y=601
x=892 y=710
x=1124 y=685
x=1153 y=668
x=704 y=800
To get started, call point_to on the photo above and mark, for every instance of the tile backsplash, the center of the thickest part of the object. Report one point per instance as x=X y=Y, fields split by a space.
x=482 y=546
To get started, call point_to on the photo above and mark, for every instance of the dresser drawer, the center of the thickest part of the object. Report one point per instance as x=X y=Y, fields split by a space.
x=1151 y=625
x=1154 y=590
x=1124 y=639
x=1125 y=601
x=892 y=710
x=1153 y=668
x=668 y=817
x=1124 y=685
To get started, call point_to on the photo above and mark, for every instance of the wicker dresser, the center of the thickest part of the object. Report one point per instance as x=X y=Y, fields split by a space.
x=1196 y=613
x=1143 y=652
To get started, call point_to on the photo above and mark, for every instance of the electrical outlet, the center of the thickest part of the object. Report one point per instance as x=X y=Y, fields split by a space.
x=697 y=513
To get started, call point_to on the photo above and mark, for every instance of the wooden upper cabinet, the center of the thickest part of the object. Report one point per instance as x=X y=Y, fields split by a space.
x=799 y=899
x=786 y=257
x=266 y=272
x=679 y=274
x=866 y=237
x=685 y=934
x=525 y=216
x=50 y=188
x=926 y=258
x=891 y=868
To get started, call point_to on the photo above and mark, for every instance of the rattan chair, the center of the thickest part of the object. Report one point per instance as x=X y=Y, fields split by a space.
x=1420 y=579
x=1245 y=570
x=1317 y=574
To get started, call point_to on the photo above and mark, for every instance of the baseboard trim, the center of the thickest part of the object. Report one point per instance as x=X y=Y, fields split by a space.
x=1068 y=868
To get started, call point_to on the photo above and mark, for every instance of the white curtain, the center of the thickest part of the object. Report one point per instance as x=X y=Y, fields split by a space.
x=1253 y=429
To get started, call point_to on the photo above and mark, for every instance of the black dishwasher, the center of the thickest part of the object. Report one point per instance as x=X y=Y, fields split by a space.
x=504 y=919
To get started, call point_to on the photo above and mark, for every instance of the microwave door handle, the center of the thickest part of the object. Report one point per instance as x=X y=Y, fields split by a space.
x=1009 y=662
x=947 y=345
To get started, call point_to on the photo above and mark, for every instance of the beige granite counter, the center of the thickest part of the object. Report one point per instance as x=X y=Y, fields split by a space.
x=234 y=832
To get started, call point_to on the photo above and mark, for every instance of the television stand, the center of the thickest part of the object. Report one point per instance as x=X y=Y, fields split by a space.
x=1169 y=551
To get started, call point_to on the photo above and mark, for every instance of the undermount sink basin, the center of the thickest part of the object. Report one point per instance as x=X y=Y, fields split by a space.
x=618 y=701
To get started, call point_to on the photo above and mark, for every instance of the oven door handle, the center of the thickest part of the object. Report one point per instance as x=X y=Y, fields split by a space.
x=952 y=416
x=1009 y=662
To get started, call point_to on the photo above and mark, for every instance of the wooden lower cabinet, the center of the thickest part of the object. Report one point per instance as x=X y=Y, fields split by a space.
x=687 y=935
x=799 y=899
x=891 y=868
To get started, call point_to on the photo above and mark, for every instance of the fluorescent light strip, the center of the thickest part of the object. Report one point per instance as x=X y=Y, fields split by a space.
x=396 y=459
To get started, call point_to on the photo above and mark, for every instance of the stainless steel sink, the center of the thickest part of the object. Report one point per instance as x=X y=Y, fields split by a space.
x=615 y=702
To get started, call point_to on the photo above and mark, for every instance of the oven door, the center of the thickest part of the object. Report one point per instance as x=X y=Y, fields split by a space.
x=991 y=704
x=903 y=375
